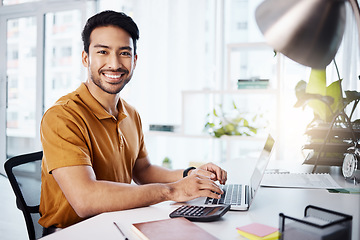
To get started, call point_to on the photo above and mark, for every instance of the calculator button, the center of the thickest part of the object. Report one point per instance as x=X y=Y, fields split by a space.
x=200 y=213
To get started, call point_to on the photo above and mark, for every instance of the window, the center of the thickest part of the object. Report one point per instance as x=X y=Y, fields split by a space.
x=41 y=60
x=63 y=46
x=21 y=73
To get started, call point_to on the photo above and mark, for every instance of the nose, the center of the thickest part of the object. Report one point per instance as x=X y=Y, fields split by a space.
x=114 y=62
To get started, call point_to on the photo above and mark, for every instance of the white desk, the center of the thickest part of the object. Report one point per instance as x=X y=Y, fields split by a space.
x=268 y=203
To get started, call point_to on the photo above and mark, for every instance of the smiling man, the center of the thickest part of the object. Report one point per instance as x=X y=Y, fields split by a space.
x=93 y=141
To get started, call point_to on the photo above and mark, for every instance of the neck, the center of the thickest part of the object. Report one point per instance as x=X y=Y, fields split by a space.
x=108 y=101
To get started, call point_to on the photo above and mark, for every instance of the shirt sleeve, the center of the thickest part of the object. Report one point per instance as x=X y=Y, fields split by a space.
x=142 y=150
x=63 y=140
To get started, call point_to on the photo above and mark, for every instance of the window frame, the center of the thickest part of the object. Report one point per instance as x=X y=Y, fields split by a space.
x=38 y=10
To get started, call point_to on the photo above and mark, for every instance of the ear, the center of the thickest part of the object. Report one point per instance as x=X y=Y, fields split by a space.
x=85 y=59
x=135 y=60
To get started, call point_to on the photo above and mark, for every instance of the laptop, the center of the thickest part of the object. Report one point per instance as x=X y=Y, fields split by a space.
x=240 y=195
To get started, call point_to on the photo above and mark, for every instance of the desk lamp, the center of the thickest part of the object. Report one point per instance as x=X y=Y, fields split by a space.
x=306 y=31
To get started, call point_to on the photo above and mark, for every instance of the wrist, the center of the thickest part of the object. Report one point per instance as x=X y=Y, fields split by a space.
x=187 y=171
x=169 y=191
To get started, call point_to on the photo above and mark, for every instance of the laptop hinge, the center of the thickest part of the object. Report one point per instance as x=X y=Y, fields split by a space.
x=247 y=195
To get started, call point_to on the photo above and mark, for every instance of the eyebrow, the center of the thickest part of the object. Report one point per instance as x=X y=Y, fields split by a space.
x=105 y=46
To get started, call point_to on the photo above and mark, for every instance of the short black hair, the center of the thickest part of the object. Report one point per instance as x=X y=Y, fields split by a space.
x=110 y=18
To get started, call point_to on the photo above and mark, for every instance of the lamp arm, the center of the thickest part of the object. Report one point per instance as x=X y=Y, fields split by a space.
x=355 y=7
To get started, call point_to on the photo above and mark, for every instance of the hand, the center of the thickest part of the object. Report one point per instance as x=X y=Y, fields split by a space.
x=211 y=171
x=194 y=186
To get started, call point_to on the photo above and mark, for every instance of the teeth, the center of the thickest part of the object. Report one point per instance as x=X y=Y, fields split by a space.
x=112 y=76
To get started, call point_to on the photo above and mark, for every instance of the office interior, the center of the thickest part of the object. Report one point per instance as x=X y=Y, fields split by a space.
x=191 y=56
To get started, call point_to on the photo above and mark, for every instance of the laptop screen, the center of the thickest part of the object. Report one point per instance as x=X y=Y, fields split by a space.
x=261 y=165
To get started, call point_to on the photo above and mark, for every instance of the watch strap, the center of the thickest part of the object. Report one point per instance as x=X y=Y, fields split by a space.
x=186 y=171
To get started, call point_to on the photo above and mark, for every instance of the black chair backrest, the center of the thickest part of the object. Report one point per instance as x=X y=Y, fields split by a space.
x=23 y=173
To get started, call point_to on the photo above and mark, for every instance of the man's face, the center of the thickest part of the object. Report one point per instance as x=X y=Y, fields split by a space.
x=111 y=60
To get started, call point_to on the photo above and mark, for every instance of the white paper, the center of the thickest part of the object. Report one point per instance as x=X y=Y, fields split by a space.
x=299 y=180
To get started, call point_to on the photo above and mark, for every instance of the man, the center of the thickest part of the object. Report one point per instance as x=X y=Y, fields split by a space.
x=93 y=141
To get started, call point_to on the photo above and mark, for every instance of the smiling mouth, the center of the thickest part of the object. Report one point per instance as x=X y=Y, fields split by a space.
x=113 y=76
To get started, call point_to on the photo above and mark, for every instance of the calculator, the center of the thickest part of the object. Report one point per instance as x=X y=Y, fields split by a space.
x=200 y=213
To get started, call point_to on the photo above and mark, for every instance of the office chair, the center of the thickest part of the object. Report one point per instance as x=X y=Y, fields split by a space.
x=27 y=186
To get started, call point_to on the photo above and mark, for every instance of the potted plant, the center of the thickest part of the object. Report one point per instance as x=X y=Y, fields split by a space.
x=332 y=130
x=232 y=123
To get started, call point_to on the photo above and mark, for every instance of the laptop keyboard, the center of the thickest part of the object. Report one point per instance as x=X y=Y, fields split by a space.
x=231 y=196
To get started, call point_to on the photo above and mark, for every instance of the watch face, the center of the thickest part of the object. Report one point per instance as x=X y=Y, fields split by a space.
x=349 y=165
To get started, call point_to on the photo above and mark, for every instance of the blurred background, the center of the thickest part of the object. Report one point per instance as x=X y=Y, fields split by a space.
x=199 y=62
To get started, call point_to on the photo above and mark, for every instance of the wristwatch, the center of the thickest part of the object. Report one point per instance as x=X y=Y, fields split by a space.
x=186 y=171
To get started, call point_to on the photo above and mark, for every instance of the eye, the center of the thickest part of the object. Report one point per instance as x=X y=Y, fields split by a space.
x=127 y=54
x=102 y=52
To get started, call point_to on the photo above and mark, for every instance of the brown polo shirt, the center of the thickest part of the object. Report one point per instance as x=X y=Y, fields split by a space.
x=77 y=130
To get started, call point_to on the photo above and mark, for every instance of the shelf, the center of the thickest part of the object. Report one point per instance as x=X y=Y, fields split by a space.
x=329 y=143
x=343 y=133
x=237 y=91
x=329 y=147
x=244 y=61
x=176 y=134
x=324 y=161
x=204 y=136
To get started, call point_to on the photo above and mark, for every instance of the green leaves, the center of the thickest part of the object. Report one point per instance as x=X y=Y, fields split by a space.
x=220 y=124
x=351 y=96
x=324 y=100
x=303 y=97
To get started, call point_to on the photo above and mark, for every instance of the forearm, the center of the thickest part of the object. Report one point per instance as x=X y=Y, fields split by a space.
x=144 y=172
x=89 y=196
x=105 y=196
x=157 y=174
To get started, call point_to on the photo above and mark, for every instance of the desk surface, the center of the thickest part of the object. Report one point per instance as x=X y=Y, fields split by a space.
x=268 y=203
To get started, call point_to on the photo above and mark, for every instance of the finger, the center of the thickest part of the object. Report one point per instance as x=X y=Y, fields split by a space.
x=213 y=171
x=206 y=173
x=209 y=170
x=208 y=184
x=211 y=194
x=223 y=177
x=212 y=190
x=218 y=174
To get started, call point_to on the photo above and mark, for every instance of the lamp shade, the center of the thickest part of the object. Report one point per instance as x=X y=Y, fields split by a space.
x=307 y=31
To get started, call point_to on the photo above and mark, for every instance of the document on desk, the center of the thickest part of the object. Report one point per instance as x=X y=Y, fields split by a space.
x=299 y=180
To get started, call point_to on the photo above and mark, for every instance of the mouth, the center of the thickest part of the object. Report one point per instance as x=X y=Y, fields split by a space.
x=113 y=76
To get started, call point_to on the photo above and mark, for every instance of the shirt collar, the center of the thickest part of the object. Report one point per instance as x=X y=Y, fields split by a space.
x=84 y=93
